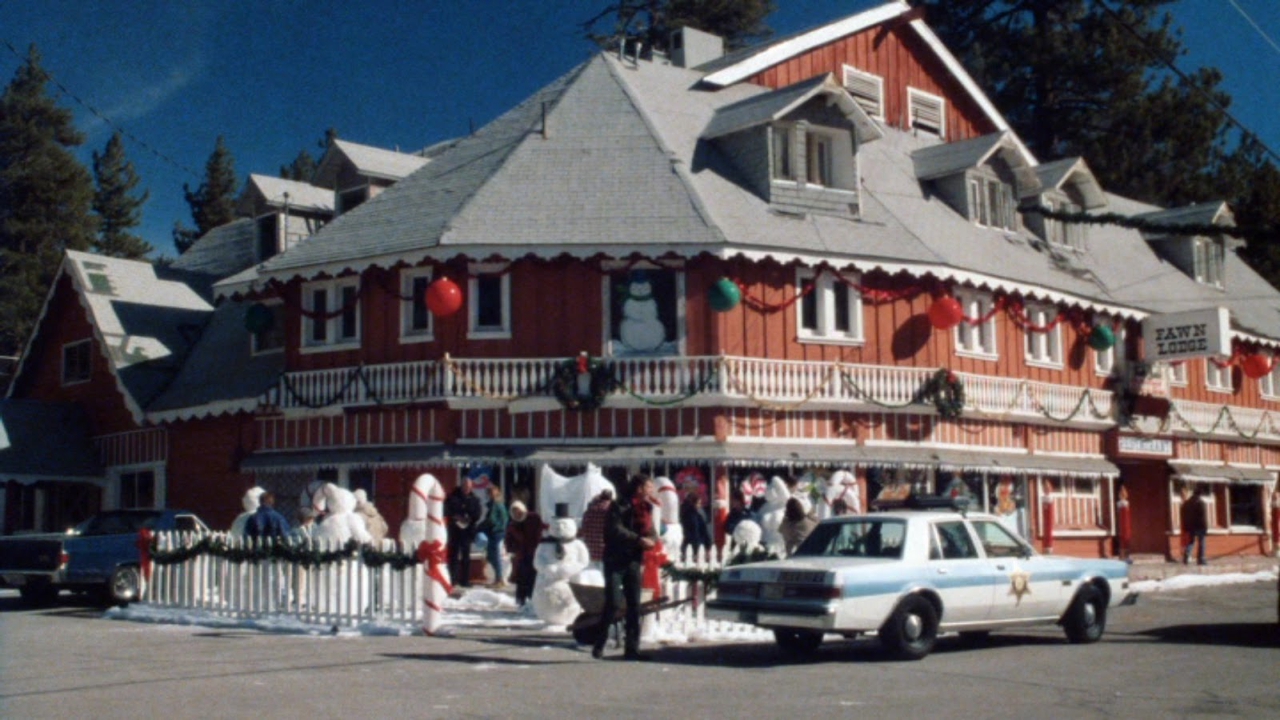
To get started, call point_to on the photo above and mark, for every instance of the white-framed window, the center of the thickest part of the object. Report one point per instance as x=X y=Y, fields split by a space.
x=1065 y=234
x=977 y=339
x=782 y=165
x=489 y=306
x=1113 y=358
x=817 y=153
x=272 y=339
x=866 y=89
x=1077 y=503
x=1216 y=379
x=991 y=202
x=645 y=309
x=77 y=362
x=1209 y=261
x=415 y=319
x=832 y=310
x=1043 y=347
x=332 y=314
x=136 y=486
x=1269 y=384
x=822 y=149
x=1245 y=506
x=927 y=112
x=1176 y=371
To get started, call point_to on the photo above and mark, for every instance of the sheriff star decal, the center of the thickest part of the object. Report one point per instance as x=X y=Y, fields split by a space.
x=1019 y=584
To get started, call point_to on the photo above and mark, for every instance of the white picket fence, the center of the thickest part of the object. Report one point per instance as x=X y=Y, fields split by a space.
x=348 y=592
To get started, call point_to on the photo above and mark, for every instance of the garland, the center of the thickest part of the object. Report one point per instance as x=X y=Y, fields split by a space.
x=294 y=551
x=564 y=384
x=946 y=392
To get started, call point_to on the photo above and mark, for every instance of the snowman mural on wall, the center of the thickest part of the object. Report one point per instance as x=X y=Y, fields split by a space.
x=643 y=325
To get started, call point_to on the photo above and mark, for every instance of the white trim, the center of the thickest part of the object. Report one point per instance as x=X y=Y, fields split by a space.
x=408 y=277
x=1221 y=374
x=968 y=338
x=870 y=79
x=474 y=331
x=333 y=339
x=159 y=490
x=824 y=295
x=1045 y=347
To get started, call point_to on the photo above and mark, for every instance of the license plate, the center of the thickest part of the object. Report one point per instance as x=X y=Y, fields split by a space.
x=15 y=580
x=772 y=591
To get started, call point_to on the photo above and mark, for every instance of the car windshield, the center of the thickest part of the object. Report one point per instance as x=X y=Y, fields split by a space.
x=862 y=537
x=118 y=523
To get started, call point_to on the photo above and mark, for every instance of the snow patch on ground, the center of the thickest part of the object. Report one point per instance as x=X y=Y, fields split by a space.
x=1181 y=582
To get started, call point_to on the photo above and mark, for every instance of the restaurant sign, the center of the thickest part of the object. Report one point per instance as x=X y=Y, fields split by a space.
x=1193 y=334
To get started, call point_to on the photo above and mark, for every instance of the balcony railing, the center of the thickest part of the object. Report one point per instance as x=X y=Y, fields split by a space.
x=741 y=381
x=1214 y=419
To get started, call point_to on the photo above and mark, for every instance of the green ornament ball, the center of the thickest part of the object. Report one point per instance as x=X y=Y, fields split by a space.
x=1101 y=338
x=724 y=295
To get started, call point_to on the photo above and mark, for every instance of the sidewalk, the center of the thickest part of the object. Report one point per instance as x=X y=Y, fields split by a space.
x=1155 y=567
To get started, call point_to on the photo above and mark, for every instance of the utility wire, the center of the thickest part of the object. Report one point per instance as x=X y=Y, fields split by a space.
x=111 y=123
x=1255 y=25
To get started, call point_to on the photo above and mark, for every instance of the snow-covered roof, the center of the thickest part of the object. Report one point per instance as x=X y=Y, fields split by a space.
x=367 y=160
x=1075 y=172
x=947 y=158
x=284 y=194
x=771 y=106
x=224 y=250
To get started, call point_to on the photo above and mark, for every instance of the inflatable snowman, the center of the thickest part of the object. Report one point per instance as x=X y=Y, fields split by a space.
x=772 y=512
x=746 y=538
x=560 y=558
x=669 y=514
x=576 y=492
x=641 y=329
x=342 y=523
x=250 y=502
x=841 y=486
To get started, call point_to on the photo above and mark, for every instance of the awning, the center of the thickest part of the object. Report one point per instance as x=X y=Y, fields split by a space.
x=394 y=456
x=1214 y=473
x=990 y=462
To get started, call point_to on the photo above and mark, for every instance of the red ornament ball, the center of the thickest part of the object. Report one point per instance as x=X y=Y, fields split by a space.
x=1256 y=366
x=945 y=313
x=444 y=297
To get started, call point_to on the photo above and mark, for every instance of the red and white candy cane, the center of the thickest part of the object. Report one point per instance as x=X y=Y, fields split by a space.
x=754 y=486
x=432 y=552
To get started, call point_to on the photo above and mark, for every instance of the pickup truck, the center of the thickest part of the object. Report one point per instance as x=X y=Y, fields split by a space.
x=100 y=555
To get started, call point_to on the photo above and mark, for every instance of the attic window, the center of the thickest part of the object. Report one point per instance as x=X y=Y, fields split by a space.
x=1209 y=261
x=1058 y=232
x=76 y=362
x=866 y=89
x=990 y=202
x=351 y=198
x=268 y=236
x=928 y=111
x=817 y=166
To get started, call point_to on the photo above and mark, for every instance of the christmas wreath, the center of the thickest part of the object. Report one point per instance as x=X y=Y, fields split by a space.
x=947 y=393
x=564 y=384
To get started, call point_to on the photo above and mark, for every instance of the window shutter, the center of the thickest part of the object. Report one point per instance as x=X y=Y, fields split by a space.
x=927 y=111
x=866 y=89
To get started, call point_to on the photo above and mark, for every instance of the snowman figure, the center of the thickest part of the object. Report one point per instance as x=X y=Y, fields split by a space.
x=771 y=513
x=671 y=531
x=842 y=486
x=641 y=329
x=560 y=558
x=342 y=523
x=250 y=502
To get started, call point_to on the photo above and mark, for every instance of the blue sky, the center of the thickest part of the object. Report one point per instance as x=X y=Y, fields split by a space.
x=272 y=76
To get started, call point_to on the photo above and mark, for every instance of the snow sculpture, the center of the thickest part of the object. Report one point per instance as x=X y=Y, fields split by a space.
x=342 y=523
x=669 y=516
x=641 y=329
x=771 y=513
x=576 y=492
x=424 y=530
x=560 y=558
x=746 y=537
x=250 y=503
x=842 y=485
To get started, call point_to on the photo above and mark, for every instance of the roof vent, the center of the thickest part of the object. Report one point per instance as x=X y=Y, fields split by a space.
x=691 y=47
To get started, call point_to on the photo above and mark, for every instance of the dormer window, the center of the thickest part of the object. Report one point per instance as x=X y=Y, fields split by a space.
x=867 y=89
x=1209 y=261
x=990 y=201
x=349 y=199
x=268 y=236
x=819 y=164
x=927 y=111
x=1059 y=232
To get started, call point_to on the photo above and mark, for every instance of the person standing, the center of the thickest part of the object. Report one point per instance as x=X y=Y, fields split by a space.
x=796 y=525
x=1195 y=523
x=496 y=528
x=593 y=524
x=266 y=521
x=462 y=512
x=523 y=535
x=694 y=523
x=629 y=532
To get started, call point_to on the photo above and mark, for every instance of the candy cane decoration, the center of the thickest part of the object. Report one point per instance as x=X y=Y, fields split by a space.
x=428 y=495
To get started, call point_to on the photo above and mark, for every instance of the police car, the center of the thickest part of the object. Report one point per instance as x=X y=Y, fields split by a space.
x=909 y=574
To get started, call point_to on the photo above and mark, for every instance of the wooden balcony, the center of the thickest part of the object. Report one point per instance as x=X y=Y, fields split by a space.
x=526 y=384
x=1220 y=421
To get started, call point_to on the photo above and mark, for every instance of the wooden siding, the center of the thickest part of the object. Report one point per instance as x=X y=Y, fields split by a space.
x=203 y=470
x=378 y=427
x=895 y=53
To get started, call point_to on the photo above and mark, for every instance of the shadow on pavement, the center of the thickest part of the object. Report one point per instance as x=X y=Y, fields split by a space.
x=477 y=659
x=1254 y=635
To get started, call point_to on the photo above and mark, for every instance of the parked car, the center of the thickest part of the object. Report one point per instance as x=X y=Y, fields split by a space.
x=100 y=555
x=909 y=575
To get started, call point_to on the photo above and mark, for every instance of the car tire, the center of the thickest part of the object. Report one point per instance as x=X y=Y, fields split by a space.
x=912 y=629
x=1086 y=619
x=125 y=586
x=38 y=593
x=797 y=642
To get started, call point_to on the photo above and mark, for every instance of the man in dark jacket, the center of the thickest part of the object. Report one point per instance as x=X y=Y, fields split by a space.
x=266 y=522
x=462 y=512
x=1195 y=524
x=629 y=532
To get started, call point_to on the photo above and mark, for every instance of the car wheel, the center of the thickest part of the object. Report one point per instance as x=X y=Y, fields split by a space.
x=797 y=642
x=38 y=593
x=124 y=586
x=1087 y=617
x=912 y=629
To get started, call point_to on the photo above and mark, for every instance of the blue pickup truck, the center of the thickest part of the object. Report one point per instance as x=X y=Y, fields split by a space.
x=99 y=555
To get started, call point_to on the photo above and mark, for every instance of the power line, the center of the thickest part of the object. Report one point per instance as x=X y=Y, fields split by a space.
x=111 y=123
x=1255 y=25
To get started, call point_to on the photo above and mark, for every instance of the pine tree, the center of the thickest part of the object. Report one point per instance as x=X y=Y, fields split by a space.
x=651 y=22
x=46 y=197
x=118 y=208
x=304 y=166
x=214 y=202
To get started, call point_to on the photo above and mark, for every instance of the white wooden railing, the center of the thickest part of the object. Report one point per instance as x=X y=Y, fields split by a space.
x=737 y=380
x=347 y=593
x=1223 y=420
